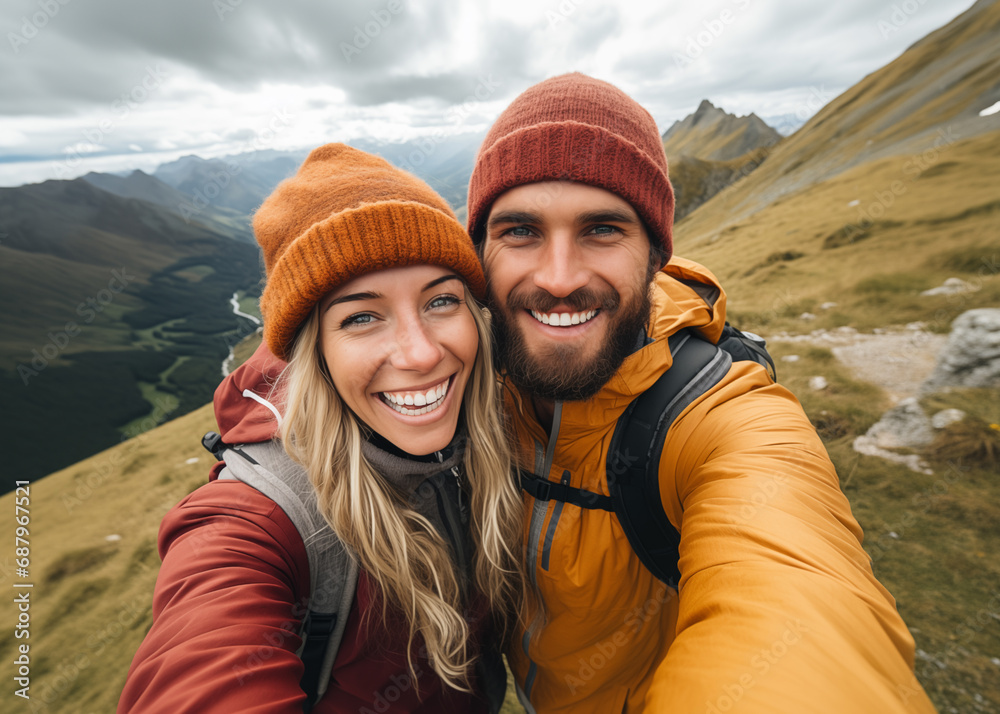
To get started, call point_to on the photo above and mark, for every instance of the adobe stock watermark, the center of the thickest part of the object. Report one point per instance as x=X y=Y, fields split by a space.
x=122 y=107
x=607 y=649
x=219 y=180
x=31 y=26
x=60 y=339
x=899 y=15
x=562 y=12
x=818 y=98
x=365 y=34
x=761 y=663
x=133 y=438
x=485 y=88
x=224 y=7
x=713 y=29
x=911 y=170
x=60 y=678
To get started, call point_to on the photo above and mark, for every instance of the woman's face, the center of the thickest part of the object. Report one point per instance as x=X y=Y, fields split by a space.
x=400 y=345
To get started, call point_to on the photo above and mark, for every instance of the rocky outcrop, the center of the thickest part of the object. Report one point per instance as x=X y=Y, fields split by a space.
x=971 y=357
x=714 y=134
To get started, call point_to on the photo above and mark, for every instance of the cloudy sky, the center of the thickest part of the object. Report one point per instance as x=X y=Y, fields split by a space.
x=114 y=84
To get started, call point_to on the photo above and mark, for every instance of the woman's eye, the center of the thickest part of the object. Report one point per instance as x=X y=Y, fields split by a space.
x=444 y=301
x=361 y=318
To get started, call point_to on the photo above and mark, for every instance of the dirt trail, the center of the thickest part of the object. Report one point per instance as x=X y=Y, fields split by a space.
x=897 y=361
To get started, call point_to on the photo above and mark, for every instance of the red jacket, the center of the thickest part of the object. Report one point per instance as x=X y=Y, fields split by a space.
x=229 y=600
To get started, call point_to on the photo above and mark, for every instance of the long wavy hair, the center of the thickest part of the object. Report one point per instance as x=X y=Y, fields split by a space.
x=394 y=544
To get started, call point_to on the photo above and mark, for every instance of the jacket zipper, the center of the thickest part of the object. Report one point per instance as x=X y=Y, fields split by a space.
x=538 y=512
x=452 y=526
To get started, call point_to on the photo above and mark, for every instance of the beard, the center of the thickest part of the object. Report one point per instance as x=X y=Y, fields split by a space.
x=558 y=371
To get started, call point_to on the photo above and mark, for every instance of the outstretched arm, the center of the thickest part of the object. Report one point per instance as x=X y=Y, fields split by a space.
x=778 y=608
x=226 y=610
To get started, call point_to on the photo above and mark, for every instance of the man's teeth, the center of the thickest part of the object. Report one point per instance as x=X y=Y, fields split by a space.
x=423 y=402
x=563 y=319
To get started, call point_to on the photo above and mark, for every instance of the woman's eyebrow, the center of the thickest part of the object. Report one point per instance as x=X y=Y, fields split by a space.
x=438 y=281
x=352 y=298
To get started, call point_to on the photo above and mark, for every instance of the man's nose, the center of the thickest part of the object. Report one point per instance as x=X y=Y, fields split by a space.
x=416 y=347
x=561 y=270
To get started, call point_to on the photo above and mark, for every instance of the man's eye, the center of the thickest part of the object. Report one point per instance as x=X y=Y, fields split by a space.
x=518 y=231
x=605 y=230
x=361 y=318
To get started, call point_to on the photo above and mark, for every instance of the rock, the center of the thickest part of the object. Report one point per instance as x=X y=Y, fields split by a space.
x=905 y=425
x=807 y=316
x=945 y=417
x=866 y=445
x=790 y=358
x=827 y=305
x=192 y=460
x=971 y=357
x=113 y=538
x=952 y=286
x=818 y=383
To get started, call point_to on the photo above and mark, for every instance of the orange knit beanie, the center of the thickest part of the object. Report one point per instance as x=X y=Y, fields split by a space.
x=576 y=128
x=343 y=214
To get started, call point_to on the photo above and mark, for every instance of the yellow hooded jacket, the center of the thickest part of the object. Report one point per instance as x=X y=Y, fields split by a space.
x=777 y=609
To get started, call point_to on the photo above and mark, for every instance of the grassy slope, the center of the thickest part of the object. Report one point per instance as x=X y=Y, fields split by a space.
x=787 y=239
x=812 y=247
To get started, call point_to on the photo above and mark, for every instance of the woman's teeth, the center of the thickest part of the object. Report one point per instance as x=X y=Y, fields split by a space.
x=421 y=402
x=563 y=319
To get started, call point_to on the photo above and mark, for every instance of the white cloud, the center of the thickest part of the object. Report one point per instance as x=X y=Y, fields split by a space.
x=176 y=78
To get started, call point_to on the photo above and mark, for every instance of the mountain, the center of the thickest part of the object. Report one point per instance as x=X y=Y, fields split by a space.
x=239 y=182
x=444 y=162
x=710 y=149
x=122 y=316
x=888 y=190
x=713 y=134
x=142 y=186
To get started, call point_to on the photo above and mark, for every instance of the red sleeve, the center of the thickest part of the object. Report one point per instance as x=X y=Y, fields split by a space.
x=226 y=609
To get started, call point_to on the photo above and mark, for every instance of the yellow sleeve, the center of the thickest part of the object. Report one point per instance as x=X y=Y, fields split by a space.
x=779 y=610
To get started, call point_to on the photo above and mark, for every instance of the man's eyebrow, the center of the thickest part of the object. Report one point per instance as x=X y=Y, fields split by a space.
x=504 y=217
x=352 y=298
x=608 y=215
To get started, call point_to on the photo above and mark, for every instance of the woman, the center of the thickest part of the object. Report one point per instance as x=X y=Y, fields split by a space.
x=388 y=401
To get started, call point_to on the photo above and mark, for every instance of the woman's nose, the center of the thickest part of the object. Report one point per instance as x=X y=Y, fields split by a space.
x=417 y=348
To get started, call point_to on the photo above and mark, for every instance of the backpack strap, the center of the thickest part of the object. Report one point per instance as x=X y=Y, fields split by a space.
x=747 y=346
x=333 y=572
x=633 y=462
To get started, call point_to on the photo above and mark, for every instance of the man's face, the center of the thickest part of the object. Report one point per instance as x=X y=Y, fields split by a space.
x=568 y=268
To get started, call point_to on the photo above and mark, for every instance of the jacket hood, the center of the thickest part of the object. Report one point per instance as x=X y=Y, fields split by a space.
x=684 y=295
x=245 y=407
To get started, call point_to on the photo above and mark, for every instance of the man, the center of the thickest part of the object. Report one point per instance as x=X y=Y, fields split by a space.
x=777 y=608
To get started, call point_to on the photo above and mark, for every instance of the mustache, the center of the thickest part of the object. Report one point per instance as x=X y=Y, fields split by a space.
x=578 y=300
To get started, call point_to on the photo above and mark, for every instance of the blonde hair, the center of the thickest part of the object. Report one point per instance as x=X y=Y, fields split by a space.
x=397 y=547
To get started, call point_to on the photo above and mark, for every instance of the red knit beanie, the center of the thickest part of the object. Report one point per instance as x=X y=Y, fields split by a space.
x=576 y=128
x=347 y=213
